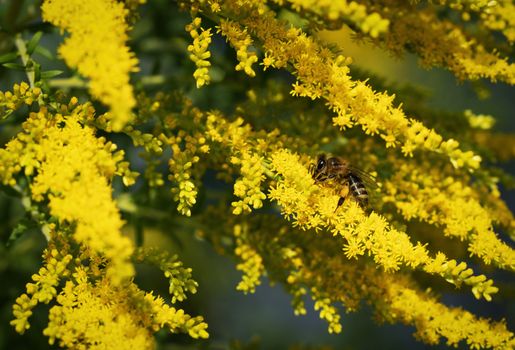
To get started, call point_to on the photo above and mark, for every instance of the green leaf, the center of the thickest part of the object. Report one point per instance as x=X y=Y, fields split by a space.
x=43 y=51
x=6 y=114
x=15 y=66
x=31 y=46
x=8 y=57
x=50 y=74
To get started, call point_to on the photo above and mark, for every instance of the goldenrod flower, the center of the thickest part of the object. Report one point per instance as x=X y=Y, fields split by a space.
x=199 y=51
x=437 y=203
x=97 y=48
x=240 y=40
x=72 y=168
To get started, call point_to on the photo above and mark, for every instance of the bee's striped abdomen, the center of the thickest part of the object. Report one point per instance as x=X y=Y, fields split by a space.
x=358 y=190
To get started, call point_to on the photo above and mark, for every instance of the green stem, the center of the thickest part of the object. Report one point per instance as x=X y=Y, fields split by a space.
x=68 y=83
x=78 y=83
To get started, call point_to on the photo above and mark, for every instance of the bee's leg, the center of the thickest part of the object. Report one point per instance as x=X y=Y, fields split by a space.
x=344 y=192
x=340 y=202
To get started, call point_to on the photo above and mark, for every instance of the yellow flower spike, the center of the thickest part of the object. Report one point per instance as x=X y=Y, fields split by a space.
x=180 y=165
x=462 y=53
x=389 y=247
x=43 y=290
x=343 y=12
x=327 y=311
x=72 y=168
x=251 y=262
x=199 y=51
x=127 y=315
x=180 y=278
x=325 y=76
x=248 y=186
x=437 y=199
x=240 y=40
x=433 y=320
x=97 y=48
x=22 y=94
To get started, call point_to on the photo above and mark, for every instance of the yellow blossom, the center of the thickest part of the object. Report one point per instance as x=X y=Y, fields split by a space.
x=327 y=76
x=21 y=94
x=97 y=48
x=173 y=269
x=350 y=12
x=480 y=121
x=436 y=203
x=252 y=263
x=240 y=40
x=100 y=315
x=389 y=247
x=72 y=167
x=199 y=51
x=43 y=290
x=429 y=196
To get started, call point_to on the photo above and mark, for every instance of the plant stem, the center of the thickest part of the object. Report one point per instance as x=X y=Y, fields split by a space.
x=68 y=83
x=78 y=83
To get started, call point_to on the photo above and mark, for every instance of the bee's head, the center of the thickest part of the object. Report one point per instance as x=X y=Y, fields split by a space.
x=318 y=170
x=321 y=163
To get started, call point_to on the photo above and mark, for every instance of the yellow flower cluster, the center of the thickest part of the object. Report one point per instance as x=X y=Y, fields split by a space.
x=500 y=17
x=199 y=52
x=434 y=320
x=21 y=94
x=252 y=263
x=248 y=186
x=351 y=12
x=68 y=168
x=99 y=315
x=292 y=259
x=301 y=261
x=92 y=312
x=175 y=319
x=173 y=269
x=440 y=42
x=185 y=193
x=235 y=135
x=390 y=248
x=43 y=290
x=474 y=5
x=479 y=121
x=431 y=197
x=72 y=168
x=327 y=311
x=321 y=74
x=239 y=39
x=97 y=48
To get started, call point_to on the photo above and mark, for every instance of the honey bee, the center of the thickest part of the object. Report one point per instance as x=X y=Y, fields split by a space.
x=349 y=178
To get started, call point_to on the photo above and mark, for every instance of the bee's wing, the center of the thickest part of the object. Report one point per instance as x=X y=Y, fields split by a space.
x=369 y=180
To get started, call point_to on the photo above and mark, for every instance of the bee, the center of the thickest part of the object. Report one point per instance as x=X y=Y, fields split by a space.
x=350 y=179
